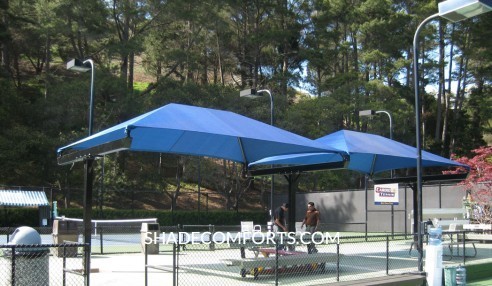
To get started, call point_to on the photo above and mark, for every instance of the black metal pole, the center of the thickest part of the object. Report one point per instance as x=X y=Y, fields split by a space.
x=64 y=264
x=387 y=255
x=292 y=179
x=366 y=202
x=406 y=211
x=101 y=239
x=272 y=184
x=276 y=261
x=146 y=262
x=338 y=262
x=418 y=136
x=88 y=180
x=415 y=217
x=13 y=265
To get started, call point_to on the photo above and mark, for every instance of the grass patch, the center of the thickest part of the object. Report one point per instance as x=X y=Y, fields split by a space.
x=475 y=272
x=139 y=87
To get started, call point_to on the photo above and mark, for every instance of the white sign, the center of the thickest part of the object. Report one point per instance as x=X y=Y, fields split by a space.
x=386 y=194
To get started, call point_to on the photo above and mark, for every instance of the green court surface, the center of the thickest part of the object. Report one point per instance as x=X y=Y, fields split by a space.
x=483 y=282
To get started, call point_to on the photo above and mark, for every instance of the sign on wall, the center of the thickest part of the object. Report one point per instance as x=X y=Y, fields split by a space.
x=386 y=194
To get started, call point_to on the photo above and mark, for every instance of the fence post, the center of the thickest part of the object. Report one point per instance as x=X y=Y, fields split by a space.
x=464 y=249
x=101 y=239
x=276 y=260
x=145 y=261
x=338 y=261
x=13 y=265
x=211 y=229
x=64 y=263
x=387 y=255
x=175 y=263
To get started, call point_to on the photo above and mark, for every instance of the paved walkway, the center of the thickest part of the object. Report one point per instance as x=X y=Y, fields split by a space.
x=129 y=269
x=359 y=261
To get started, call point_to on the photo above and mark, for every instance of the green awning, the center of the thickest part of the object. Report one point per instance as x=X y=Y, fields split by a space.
x=19 y=198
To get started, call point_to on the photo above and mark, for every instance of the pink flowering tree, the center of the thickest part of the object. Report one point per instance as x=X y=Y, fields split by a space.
x=479 y=182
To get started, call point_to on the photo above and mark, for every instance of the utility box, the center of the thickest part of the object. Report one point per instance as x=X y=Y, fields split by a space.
x=149 y=234
x=65 y=232
x=30 y=258
x=44 y=215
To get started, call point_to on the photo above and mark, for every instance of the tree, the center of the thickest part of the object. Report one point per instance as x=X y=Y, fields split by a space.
x=479 y=181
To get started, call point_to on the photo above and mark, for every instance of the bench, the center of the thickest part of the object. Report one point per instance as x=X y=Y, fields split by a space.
x=450 y=242
x=482 y=228
x=445 y=216
x=290 y=263
x=480 y=237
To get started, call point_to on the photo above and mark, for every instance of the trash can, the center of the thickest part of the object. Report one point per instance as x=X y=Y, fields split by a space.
x=149 y=234
x=65 y=231
x=31 y=263
x=433 y=257
x=454 y=276
x=460 y=275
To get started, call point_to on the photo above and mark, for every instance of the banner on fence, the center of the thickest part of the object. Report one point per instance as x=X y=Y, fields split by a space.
x=386 y=194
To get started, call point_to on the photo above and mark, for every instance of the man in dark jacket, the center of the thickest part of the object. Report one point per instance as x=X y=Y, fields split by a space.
x=280 y=217
x=311 y=220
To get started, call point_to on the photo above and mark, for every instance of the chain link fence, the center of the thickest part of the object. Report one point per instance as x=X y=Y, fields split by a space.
x=43 y=264
x=224 y=256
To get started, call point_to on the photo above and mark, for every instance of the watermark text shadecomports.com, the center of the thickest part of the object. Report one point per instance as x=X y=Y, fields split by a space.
x=241 y=238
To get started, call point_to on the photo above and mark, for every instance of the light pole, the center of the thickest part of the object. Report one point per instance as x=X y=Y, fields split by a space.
x=77 y=65
x=453 y=10
x=370 y=113
x=85 y=66
x=253 y=93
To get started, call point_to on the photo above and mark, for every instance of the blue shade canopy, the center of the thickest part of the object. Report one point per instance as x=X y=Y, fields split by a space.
x=368 y=153
x=373 y=154
x=190 y=130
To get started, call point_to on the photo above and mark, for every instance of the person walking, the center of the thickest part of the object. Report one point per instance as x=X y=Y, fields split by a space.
x=311 y=220
x=280 y=217
x=281 y=222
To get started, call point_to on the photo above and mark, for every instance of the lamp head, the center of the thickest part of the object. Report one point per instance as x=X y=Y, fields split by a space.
x=457 y=10
x=78 y=65
x=249 y=93
x=367 y=113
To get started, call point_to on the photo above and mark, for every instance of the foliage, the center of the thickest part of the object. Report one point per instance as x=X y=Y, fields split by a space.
x=15 y=217
x=350 y=56
x=479 y=180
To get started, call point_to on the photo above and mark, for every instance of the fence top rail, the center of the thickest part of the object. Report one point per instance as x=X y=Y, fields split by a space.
x=41 y=245
x=369 y=236
x=96 y=221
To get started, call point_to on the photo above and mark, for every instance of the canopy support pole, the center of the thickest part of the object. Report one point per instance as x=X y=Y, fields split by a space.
x=87 y=216
x=417 y=224
x=292 y=180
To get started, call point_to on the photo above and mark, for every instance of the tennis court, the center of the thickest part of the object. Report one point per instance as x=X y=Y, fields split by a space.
x=200 y=263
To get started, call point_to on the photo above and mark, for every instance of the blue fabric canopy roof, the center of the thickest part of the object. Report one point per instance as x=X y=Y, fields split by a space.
x=190 y=130
x=368 y=153
x=372 y=154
